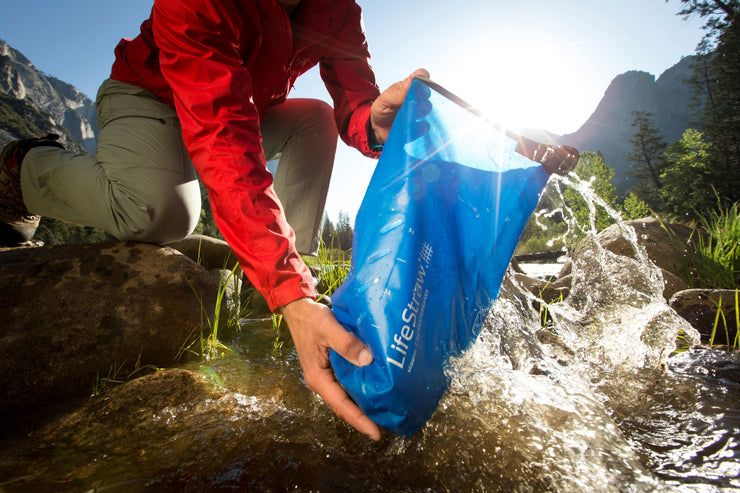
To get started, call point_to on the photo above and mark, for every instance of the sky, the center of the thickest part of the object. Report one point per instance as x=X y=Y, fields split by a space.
x=541 y=64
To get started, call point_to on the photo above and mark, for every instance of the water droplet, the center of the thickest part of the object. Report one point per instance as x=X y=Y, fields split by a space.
x=367 y=285
x=391 y=226
x=378 y=256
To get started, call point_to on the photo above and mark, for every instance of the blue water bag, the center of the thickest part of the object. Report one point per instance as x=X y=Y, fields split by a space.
x=433 y=238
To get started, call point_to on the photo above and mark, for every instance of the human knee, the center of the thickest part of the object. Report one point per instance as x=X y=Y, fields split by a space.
x=169 y=218
x=324 y=113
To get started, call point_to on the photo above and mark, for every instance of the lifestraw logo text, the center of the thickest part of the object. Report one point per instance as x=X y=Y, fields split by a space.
x=401 y=347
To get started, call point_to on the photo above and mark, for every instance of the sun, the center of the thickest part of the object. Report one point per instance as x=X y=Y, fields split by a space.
x=524 y=82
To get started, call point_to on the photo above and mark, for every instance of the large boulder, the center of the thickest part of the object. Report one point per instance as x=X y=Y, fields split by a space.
x=700 y=307
x=669 y=246
x=76 y=313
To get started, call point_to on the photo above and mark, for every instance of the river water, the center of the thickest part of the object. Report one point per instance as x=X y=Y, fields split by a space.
x=593 y=395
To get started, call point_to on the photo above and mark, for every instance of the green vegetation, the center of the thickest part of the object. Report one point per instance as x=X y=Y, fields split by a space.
x=718 y=261
x=563 y=214
x=647 y=158
x=54 y=232
x=18 y=117
x=116 y=377
x=226 y=315
x=233 y=302
x=735 y=344
x=683 y=179
x=695 y=180
x=338 y=236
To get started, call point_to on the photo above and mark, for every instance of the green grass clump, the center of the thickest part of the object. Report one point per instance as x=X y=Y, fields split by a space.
x=718 y=262
x=735 y=344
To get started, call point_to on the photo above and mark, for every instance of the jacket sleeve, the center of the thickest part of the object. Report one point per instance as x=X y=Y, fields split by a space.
x=346 y=72
x=212 y=92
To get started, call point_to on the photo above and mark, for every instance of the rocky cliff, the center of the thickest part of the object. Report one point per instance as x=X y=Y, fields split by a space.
x=608 y=130
x=49 y=102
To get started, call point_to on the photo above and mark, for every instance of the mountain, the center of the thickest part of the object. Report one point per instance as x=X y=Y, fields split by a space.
x=43 y=102
x=52 y=105
x=608 y=130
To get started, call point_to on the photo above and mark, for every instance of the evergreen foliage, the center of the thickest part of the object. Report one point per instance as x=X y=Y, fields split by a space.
x=647 y=158
x=716 y=86
x=18 y=117
x=592 y=167
x=328 y=232
x=344 y=233
x=687 y=189
x=634 y=207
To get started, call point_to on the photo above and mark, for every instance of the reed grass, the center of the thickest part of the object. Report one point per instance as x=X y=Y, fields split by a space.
x=718 y=261
x=734 y=344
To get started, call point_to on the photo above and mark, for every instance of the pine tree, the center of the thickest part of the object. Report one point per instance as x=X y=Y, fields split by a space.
x=344 y=232
x=647 y=159
x=328 y=232
x=688 y=189
x=717 y=87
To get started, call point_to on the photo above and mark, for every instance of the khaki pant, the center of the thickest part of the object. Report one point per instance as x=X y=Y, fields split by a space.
x=141 y=184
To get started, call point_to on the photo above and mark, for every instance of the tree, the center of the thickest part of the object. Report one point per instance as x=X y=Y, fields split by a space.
x=592 y=167
x=720 y=13
x=647 y=158
x=721 y=117
x=717 y=86
x=328 y=233
x=634 y=208
x=688 y=176
x=344 y=232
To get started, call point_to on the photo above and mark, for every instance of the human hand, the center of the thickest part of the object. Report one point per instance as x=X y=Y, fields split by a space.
x=385 y=107
x=315 y=330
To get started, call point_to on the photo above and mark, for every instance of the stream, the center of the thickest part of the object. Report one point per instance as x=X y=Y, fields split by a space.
x=611 y=394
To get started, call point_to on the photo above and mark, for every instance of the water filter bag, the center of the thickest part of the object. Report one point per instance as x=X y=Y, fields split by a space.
x=433 y=238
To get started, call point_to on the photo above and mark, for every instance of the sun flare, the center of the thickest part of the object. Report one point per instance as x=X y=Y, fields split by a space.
x=523 y=83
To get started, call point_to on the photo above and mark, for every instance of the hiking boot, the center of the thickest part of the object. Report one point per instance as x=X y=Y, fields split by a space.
x=19 y=225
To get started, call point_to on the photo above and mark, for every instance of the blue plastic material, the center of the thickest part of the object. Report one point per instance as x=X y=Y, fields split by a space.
x=434 y=235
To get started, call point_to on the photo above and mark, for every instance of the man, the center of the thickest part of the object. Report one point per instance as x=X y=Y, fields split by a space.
x=206 y=81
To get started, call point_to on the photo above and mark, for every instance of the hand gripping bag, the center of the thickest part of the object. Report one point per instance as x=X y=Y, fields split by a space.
x=433 y=238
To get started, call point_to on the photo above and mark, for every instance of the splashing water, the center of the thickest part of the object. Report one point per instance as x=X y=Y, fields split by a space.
x=588 y=401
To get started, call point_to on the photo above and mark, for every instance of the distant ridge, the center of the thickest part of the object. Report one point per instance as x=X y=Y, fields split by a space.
x=53 y=104
x=53 y=99
x=608 y=130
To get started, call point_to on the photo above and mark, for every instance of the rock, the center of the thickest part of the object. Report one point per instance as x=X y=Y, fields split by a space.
x=514 y=265
x=122 y=421
x=73 y=313
x=667 y=247
x=566 y=269
x=546 y=291
x=218 y=257
x=211 y=253
x=667 y=251
x=563 y=283
x=699 y=308
x=673 y=284
x=131 y=405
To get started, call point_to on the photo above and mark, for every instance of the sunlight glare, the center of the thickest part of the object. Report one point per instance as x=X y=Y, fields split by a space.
x=526 y=81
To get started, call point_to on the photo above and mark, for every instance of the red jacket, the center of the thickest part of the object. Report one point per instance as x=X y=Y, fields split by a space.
x=222 y=64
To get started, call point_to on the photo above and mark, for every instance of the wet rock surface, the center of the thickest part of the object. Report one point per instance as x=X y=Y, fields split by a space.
x=702 y=308
x=80 y=312
x=519 y=415
x=669 y=246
